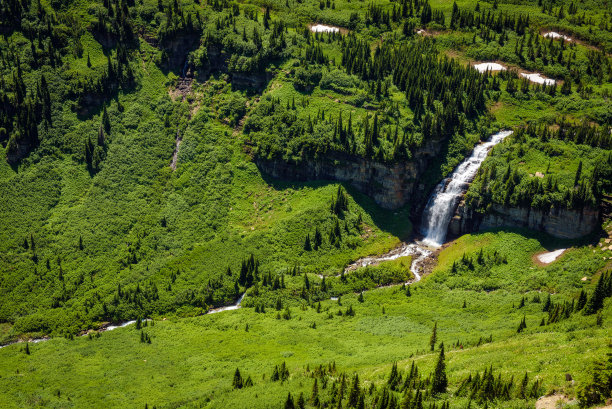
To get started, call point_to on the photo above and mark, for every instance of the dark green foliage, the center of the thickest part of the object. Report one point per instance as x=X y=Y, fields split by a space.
x=522 y=326
x=599 y=386
x=339 y=203
x=439 y=381
x=237 y=382
x=434 y=336
x=145 y=338
x=603 y=290
x=289 y=402
x=395 y=378
x=487 y=387
x=510 y=186
x=280 y=373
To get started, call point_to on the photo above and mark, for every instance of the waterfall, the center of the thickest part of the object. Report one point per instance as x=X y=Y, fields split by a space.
x=447 y=194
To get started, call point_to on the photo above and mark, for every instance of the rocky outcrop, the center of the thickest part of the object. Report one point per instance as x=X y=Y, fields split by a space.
x=560 y=223
x=390 y=185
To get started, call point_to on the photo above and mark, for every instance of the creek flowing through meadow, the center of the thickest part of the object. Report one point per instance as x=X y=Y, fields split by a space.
x=437 y=214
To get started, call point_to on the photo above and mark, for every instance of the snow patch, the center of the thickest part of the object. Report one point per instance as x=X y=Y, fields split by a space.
x=549 y=257
x=321 y=28
x=490 y=66
x=538 y=78
x=554 y=35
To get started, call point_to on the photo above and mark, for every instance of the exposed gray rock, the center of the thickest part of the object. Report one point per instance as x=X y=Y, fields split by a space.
x=560 y=223
x=390 y=185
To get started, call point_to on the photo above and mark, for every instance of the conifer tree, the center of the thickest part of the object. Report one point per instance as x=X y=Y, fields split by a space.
x=434 y=337
x=578 y=174
x=307 y=246
x=602 y=290
x=318 y=239
x=394 y=377
x=547 y=303
x=106 y=120
x=237 y=382
x=314 y=396
x=522 y=325
x=289 y=403
x=301 y=403
x=439 y=381
x=355 y=392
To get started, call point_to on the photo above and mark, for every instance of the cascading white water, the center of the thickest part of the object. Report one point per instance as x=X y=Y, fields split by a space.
x=445 y=198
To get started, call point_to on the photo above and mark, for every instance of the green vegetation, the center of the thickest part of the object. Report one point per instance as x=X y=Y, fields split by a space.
x=541 y=168
x=131 y=134
x=478 y=329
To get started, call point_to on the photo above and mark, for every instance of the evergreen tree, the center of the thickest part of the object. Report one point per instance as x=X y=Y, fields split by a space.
x=106 y=120
x=578 y=174
x=307 y=246
x=355 y=392
x=566 y=88
x=318 y=238
x=522 y=325
x=454 y=16
x=434 y=337
x=547 y=303
x=439 y=381
x=289 y=403
x=395 y=377
x=314 y=396
x=603 y=289
x=582 y=300
x=237 y=382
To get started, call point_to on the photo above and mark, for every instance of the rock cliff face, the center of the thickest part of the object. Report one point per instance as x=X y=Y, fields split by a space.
x=561 y=223
x=390 y=185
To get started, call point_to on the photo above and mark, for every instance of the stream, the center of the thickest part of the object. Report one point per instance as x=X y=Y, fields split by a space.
x=437 y=214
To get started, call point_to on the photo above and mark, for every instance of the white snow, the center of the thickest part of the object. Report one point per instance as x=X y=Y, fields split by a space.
x=321 y=28
x=549 y=257
x=491 y=66
x=538 y=78
x=552 y=34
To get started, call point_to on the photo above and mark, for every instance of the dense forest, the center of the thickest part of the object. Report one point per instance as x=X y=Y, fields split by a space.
x=136 y=139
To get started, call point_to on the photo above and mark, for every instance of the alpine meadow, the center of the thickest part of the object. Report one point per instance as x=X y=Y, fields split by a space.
x=306 y=204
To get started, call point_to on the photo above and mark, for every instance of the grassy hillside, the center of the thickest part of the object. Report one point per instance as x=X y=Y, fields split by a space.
x=191 y=362
x=129 y=134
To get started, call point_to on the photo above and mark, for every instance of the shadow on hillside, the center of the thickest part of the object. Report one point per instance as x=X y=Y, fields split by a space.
x=396 y=222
